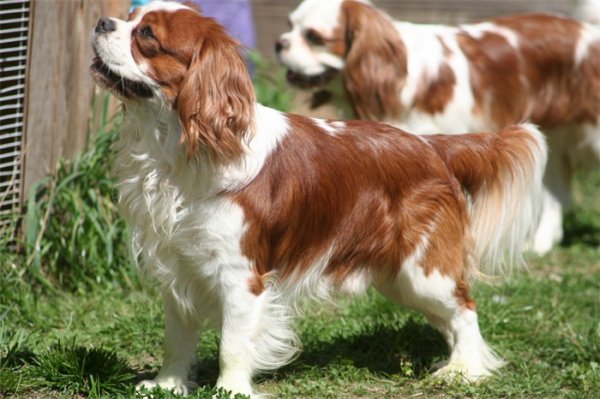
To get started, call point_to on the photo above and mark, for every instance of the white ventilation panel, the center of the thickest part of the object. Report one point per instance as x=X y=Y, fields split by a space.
x=14 y=31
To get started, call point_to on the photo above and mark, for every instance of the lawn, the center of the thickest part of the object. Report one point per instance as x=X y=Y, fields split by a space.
x=77 y=321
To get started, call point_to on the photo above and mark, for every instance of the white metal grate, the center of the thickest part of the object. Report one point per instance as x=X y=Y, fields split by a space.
x=14 y=26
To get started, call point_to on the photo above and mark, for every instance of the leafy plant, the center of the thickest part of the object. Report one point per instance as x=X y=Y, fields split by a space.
x=79 y=370
x=74 y=236
x=271 y=87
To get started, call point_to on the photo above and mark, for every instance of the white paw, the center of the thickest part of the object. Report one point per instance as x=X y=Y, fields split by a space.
x=451 y=374
x=170 y=384
x=457 y=373
x=235 y=385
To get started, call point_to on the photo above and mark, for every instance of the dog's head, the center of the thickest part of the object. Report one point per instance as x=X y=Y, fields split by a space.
x=350 y=36
x=314 y=49
x=169 y=55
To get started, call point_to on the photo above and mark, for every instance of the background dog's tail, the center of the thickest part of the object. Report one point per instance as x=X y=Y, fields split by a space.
x=502 y=174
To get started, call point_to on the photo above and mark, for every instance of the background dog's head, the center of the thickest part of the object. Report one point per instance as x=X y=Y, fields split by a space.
x=350 y=36
x=314 y=49
x=169 y=55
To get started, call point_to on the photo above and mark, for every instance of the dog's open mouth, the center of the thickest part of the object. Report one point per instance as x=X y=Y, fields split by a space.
x=309 y=81
x=120 y=86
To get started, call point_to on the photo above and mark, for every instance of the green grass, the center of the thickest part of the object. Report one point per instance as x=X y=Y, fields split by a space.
x=75 y=320
x=545 y=322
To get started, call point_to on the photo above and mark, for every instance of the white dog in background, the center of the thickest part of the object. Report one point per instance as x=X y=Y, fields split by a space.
x=443 y=79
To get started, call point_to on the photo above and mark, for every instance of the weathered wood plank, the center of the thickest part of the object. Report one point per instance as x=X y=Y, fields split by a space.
x=59 y=87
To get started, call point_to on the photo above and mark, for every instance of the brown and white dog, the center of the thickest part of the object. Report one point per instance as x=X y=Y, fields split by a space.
x=433 y=78
x=239 y=210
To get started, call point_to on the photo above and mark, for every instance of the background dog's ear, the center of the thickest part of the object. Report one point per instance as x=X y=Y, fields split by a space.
x=375 y=69
x=216 y=98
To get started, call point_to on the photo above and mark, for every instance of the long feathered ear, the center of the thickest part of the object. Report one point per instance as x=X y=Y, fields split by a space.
x=375 y=69
x=216 y=98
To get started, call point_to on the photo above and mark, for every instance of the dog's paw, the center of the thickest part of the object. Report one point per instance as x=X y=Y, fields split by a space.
x=453 y=373
x=450 y=374
x=236 y=385
x=170 y=384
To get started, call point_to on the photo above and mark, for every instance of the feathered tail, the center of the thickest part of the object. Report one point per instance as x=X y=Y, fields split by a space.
x=502 y=173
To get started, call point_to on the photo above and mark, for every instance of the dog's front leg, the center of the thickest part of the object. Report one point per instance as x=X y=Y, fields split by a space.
x=179 y=351
x=242 y=311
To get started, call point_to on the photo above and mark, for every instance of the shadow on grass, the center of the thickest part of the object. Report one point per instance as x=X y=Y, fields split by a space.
x=207 y=371
x=381 y=351
x=17 y=358
x=581 y=227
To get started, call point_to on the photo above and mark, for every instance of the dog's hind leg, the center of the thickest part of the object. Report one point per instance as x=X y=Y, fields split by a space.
x=433 y=279
x=452 y=312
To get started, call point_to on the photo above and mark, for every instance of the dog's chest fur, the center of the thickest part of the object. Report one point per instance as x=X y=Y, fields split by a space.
x=182 y=231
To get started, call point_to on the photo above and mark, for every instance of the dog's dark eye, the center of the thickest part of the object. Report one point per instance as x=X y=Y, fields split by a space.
x=146 y=32
x=313 y=37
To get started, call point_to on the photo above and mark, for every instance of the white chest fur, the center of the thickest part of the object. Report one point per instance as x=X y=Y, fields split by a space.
x=183 y=230
x=180 y=229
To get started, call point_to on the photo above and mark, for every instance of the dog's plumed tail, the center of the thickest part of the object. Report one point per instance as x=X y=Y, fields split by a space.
x=502 y=174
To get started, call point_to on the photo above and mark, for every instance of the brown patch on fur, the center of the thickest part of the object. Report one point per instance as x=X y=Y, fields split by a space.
x=539 y=80
x=461 y=293
x=337 y=42
x=375 y=56
x=201 y=71
x=256 y=283
x=547 y=46
x=364 y=198
x=496 y=71
x=318 y=192
x=433 y=94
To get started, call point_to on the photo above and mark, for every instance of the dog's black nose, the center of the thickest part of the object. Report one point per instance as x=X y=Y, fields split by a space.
x=105 y=25
x=281 y=44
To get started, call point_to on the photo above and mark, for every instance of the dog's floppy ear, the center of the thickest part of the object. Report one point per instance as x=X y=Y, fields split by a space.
x=216 y=98
x=375 y=69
